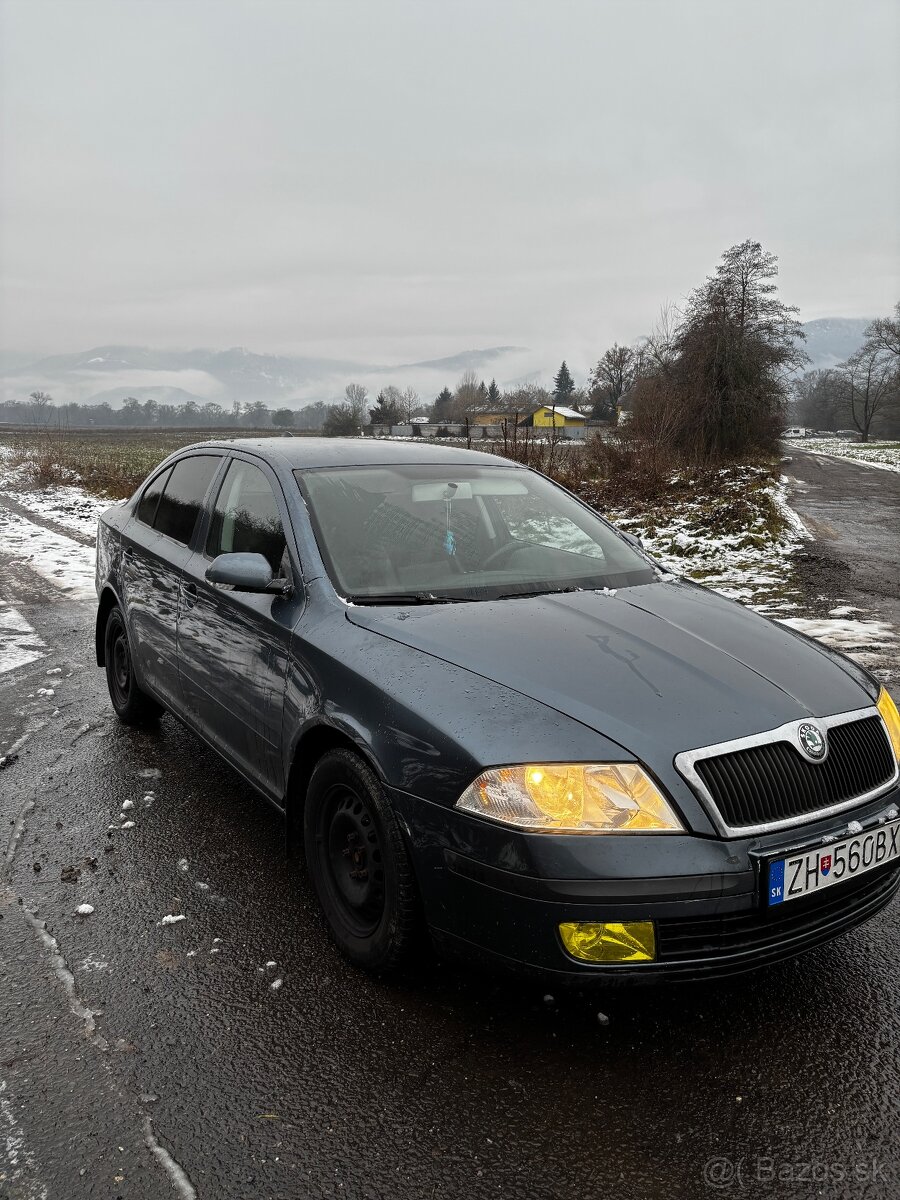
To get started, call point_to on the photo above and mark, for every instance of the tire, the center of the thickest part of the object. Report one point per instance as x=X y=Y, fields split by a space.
x=358 y=864
x=133 y=706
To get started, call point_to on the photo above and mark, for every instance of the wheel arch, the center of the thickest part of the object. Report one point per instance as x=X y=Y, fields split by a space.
x=108 y=601
x=309 y=748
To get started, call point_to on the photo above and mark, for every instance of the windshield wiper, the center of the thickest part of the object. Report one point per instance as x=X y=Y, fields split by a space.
x=544 y=591
x=410 y=598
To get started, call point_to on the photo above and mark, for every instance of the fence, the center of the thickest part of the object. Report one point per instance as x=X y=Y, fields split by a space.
x=476 y=433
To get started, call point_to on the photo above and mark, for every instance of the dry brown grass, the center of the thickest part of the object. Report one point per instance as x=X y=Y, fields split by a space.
x=109 y=462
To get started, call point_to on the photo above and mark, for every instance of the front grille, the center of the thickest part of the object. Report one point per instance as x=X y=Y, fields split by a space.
x=781 y=930
x=774 y=782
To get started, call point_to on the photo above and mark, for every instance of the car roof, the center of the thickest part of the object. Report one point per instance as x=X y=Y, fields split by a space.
x=300 y=453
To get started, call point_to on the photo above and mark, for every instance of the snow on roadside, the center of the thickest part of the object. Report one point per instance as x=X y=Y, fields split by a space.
x=883 y=455
x=750 y=565
x=761 y=575
x=864 y=640
x=61 y=561
x=68 y=504
x=19 y=643
x=70 y=507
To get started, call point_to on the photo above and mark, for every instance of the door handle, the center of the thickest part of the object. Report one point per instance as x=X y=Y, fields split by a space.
x=189 y=591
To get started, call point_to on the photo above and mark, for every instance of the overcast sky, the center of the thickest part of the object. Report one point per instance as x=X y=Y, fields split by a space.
x=389 y=181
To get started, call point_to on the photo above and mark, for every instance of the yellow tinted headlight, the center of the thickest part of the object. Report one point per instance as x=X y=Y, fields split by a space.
x=572 y=798
x=891 y=718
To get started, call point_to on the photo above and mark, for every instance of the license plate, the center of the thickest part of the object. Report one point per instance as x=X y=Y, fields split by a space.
x=810 y=871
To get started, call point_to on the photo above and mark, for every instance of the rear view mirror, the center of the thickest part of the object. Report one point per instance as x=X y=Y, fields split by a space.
x=244 y=572
x=632 y=539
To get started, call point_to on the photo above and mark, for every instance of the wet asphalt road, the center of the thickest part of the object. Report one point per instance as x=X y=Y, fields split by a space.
x=853 y=513
x=147 y=1060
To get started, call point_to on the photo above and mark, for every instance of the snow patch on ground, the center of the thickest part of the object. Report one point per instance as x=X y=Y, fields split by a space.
x=863 y=640
x=750 y=565
x=177 y=1174
x=59 y=560
x=67 y=504
x=19 y=1165
x=883 y=455
x=19 y=643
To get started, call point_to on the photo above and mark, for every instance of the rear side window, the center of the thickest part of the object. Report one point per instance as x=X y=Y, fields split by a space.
x=180 y=503
x=246 y=519
x=146 y=510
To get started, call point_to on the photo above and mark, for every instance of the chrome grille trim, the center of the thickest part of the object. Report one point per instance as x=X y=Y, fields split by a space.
x=685 y=764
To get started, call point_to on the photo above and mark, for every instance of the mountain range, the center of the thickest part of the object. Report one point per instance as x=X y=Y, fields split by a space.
x=110 y=373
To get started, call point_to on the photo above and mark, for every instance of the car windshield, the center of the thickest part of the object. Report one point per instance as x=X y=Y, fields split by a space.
x=426 y=534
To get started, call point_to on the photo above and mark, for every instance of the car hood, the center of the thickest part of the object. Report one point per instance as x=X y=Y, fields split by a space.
x=659 y=668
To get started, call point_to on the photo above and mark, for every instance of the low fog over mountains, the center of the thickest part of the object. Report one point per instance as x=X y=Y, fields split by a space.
x=111 y=373
x=173 y=376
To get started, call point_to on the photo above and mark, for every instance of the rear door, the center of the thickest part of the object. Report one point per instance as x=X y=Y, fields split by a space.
x=156 y=545
x=233 y=647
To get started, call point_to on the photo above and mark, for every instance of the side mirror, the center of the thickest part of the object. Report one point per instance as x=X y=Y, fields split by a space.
x=632 y=539
x=245 y=573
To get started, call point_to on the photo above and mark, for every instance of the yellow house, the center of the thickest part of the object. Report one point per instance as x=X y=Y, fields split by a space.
x=554 y=416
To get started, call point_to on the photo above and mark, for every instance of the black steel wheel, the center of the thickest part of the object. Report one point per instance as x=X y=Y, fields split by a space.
x=358 y=863
x=133 y=706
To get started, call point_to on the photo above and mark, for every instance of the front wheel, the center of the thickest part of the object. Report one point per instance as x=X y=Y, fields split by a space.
x=358 y=864
x=133 y=706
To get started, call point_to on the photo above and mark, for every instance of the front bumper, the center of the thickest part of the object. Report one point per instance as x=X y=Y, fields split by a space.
x=498 y=894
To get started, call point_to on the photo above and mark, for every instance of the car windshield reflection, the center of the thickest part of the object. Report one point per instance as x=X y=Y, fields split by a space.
x=428 y=534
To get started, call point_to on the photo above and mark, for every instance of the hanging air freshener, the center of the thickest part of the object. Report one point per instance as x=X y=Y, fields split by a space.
x=449 y=537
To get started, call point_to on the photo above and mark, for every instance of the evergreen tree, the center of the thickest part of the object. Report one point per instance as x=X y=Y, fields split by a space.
x=493 y=393
x=387 y=410
x=443 y=405
x=563 y=385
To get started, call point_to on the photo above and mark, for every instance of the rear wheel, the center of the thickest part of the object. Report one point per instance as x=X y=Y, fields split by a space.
x=358 y=864
x=133 y=706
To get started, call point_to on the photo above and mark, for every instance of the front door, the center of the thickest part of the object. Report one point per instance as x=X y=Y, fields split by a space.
x=233 y=647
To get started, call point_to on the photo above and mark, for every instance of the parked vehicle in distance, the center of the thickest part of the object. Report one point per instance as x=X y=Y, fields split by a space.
x=494 y=717
x=797 y=431
x=849 y=435
x=824 y=433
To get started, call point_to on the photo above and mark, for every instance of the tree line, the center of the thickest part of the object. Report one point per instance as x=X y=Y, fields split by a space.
x=40 y=409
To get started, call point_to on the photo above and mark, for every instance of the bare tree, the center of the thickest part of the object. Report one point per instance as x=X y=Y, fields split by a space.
x=872 y=379
x=822 y=400
x=610 y=379
x=737 y=344
x=41 y=407
x=524 y=399
x=410 y=402
x=656 y=352
x=356 y=396
x=884 y=333
x=467 y=397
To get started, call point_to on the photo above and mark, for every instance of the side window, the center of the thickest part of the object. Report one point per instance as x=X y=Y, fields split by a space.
x=180 y=503
x=246 y=519
x=146 y=509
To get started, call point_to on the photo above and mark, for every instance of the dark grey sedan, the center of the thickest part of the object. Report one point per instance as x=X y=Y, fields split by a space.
x=491 y=717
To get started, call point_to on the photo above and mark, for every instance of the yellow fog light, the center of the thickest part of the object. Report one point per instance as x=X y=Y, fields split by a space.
x=610 y=941
x=891 y=718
